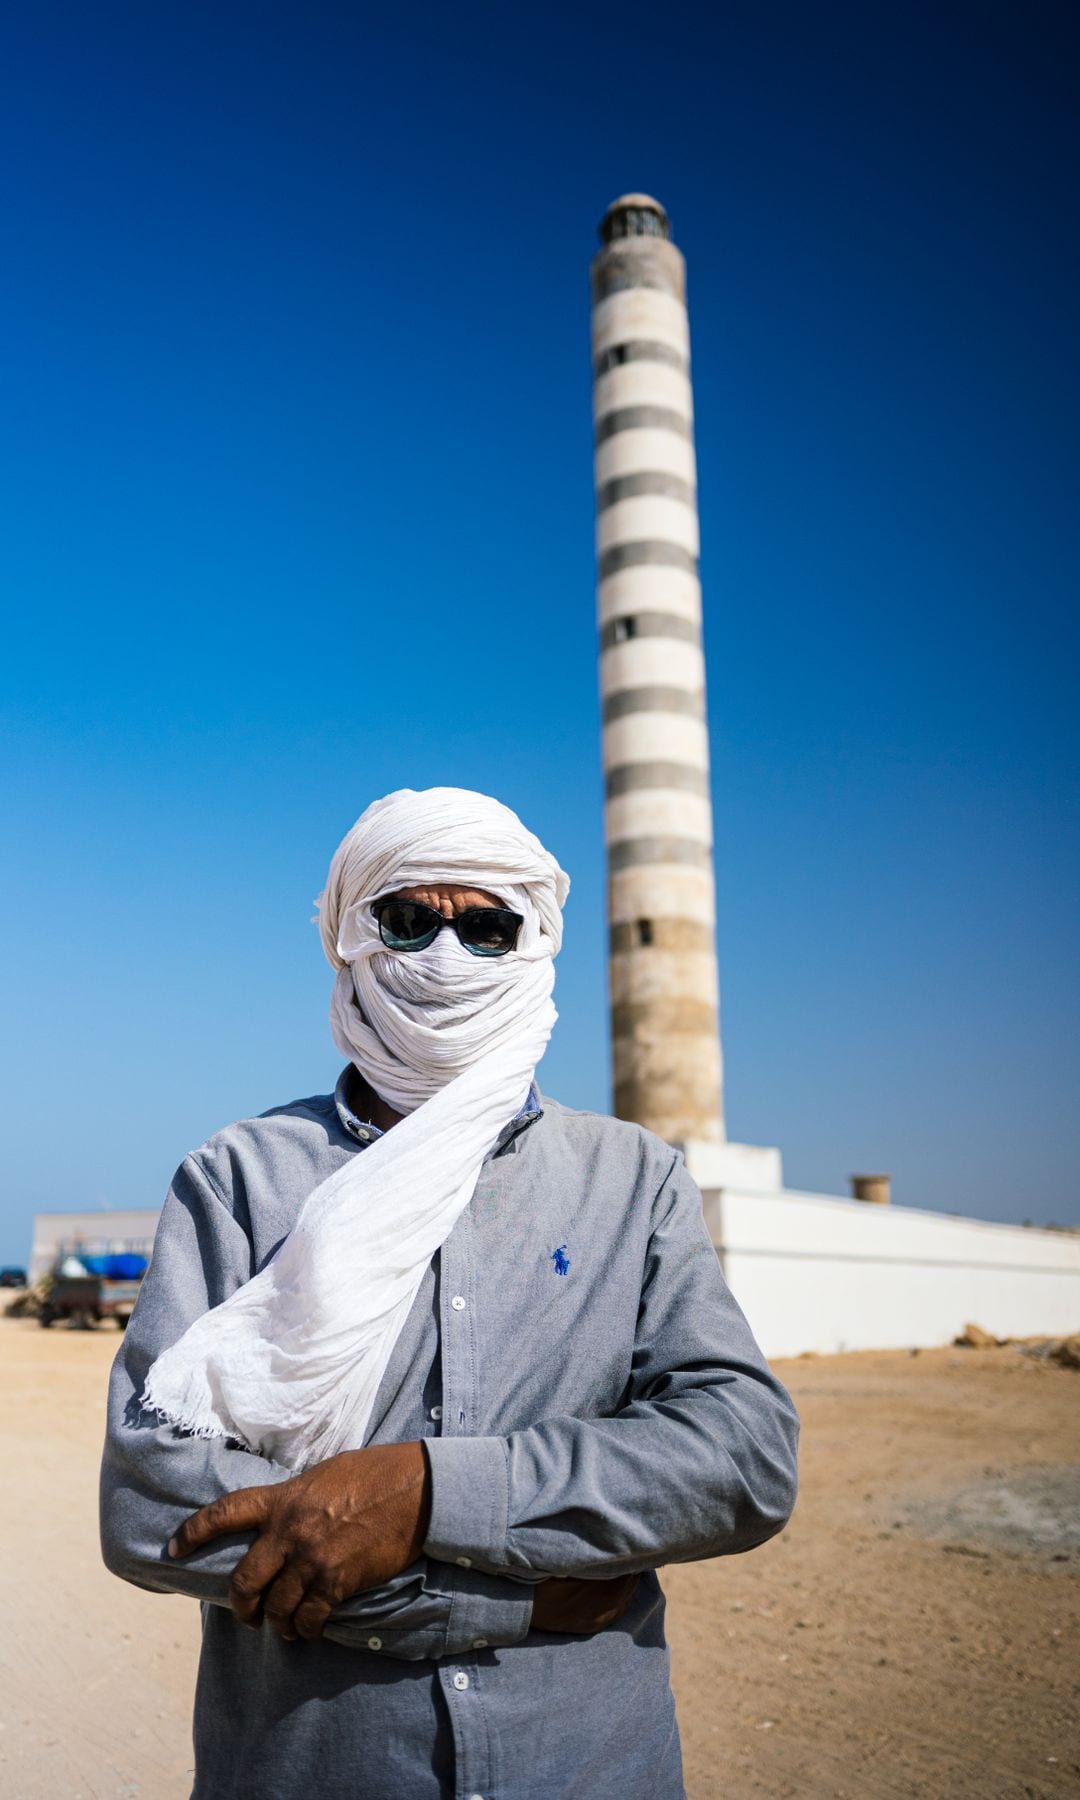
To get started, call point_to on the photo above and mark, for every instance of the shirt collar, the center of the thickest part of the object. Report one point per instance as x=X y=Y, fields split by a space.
x=364 y=1132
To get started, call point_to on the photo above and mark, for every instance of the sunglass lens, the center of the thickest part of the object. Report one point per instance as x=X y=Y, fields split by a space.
x=406 y=925
x=488 y=930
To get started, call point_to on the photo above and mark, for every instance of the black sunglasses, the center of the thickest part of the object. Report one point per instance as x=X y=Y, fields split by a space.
x=484 y=930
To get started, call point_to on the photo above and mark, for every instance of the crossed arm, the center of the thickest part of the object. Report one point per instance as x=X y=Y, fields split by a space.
x=346 y=1536
x=153 y=1478
x=349 y=1524
x=437 y=1545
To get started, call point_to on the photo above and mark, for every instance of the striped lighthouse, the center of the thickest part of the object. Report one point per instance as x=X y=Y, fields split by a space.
x=658 y=817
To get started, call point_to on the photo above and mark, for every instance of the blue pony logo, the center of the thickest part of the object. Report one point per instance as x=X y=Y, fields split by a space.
x=561 y=1260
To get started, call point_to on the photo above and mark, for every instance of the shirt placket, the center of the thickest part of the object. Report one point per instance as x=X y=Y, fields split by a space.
x=460 y=1679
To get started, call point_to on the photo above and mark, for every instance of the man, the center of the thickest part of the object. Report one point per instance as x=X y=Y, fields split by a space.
x=429 y=1376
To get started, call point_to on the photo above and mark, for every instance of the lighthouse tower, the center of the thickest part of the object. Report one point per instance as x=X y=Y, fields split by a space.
x=664 y=987
x=665 y=1022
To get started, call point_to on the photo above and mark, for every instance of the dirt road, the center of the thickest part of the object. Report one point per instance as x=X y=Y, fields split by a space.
x=914 y=1632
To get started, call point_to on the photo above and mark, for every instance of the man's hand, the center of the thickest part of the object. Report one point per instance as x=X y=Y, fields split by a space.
x=564 y=1603
x=344 y=1525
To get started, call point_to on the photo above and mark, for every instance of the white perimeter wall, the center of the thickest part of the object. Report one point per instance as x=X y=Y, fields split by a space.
x=813 y=1272
x=816 y=1273
x=99 y=1233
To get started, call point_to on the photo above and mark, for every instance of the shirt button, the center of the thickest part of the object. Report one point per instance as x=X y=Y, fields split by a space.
x=374 y=1643
x=476 y=1797
x=461 y=1681
x=458 y=1303
x=463 y=1562
x=479 y=1643
x=436 y=1412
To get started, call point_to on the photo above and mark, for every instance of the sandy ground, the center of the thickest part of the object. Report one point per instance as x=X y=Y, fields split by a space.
x=915 y=1631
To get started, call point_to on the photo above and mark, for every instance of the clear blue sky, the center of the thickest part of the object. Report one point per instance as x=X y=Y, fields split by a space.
x=296 y=508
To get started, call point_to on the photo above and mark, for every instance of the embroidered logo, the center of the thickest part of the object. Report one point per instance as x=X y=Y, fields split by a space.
x=561 y=1260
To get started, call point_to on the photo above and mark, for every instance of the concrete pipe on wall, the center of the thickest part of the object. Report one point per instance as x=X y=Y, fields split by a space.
x=876 y=1189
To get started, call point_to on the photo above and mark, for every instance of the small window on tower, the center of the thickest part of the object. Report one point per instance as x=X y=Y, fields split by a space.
x=625 y=628
x=644 y=931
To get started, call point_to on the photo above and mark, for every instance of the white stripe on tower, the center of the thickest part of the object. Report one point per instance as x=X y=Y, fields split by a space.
x=664 y=987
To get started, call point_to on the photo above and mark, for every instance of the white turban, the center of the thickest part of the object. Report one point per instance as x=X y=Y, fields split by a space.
x=291 y=1363
x=413 y=1021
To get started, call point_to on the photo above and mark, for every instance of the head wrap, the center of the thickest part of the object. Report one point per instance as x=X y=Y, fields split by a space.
x=290 y=1364
x=411 y=1022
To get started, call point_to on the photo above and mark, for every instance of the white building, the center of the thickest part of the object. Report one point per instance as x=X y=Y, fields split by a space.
x=817 y=1272
x=98 y=1233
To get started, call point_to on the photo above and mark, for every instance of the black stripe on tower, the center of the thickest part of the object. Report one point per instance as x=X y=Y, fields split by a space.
x=664 y=933
x=651 y=552
x=629 y=778
x=688 y=701
x=640 y=350
x=642 y=418
x=645 y=481
x=636 y=852
x=649 y=625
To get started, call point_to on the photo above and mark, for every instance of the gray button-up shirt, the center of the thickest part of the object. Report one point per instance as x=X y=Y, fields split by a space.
x=592 y=1402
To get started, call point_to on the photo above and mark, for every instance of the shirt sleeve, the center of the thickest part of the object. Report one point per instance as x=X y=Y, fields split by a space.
x=700 y=1460
x=153 y=1477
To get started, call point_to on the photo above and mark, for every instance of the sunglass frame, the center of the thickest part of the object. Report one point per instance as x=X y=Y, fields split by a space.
x=379 y=906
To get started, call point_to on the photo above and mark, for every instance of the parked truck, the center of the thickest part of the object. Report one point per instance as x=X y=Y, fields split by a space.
x=85 y=1288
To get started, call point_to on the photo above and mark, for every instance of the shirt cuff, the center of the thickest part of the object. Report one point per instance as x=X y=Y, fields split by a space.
x=487 y=1611
x=470 y=1501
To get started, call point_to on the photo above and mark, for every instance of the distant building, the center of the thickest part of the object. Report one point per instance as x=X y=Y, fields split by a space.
x=98 y=1233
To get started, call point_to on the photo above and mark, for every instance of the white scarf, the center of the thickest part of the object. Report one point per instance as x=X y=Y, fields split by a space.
x=290 y=1364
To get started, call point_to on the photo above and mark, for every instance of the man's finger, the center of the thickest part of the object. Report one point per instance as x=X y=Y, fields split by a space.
x=245 y=1510
x=311 y=1616
x=252 y=1575
x=282 y=1598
